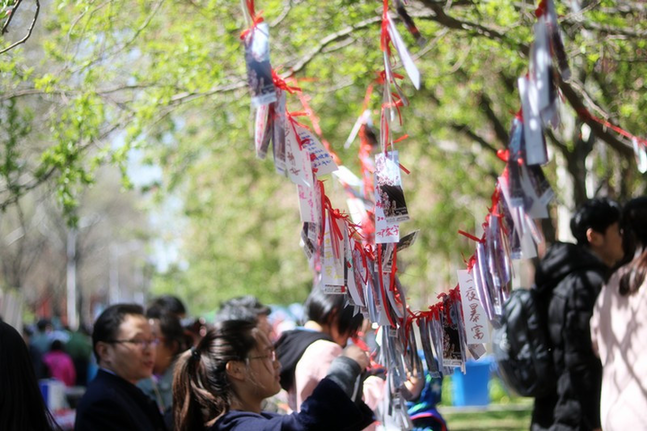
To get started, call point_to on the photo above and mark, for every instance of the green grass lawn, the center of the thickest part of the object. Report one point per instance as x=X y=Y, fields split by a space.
x=505 y=412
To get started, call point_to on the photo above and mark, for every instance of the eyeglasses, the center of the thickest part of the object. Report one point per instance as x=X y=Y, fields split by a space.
x=142 y=344
x=271 y=355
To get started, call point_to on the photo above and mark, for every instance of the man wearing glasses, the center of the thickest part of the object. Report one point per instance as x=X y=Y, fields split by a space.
x=124 y=347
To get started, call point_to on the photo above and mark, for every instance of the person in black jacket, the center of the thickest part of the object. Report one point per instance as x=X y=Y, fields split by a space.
x=575 y=275
x=125 y=350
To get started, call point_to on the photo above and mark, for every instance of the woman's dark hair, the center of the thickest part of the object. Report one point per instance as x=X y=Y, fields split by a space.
x=201 y=389
x=246 y=307
x=597 y=214
x=21 y=404
x=320 y=307
x=634 y=242
x=107 y=325
x=169 y=303
x=171 y=328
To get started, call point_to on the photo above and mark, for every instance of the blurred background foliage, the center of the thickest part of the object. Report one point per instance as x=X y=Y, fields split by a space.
x=157 y=89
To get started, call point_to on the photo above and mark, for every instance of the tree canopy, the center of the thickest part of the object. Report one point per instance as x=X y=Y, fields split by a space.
x=97 y=79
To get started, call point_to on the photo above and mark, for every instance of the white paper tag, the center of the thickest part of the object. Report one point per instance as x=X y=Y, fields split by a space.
x=347 y=177
x=356 y=209
x=262 y=131
x=641 y=155
x=384 y=231
x=259 y=69
x=532 y=127
x=307 y=204
x=323 y=163
x=477 y=329
x=405 y=57
x=297 y=163
x=388 y=187
x=332 y=269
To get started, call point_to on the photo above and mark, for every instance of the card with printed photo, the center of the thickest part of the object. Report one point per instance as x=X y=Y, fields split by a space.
x=388 y=186
x=259 y=69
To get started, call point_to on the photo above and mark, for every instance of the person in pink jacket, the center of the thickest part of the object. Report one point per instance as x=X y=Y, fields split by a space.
x=306 y=353
x=60 y=364
x=619 y=332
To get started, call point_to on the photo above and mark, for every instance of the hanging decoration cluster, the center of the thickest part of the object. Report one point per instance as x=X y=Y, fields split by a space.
x=355 y=253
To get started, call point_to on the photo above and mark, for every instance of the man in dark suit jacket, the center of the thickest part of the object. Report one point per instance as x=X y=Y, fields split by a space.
x=125 y=350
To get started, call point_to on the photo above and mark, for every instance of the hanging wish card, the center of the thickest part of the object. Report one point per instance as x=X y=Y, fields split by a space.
x=307 y=204
x=557 y=44
x=346 y=176
x=495 y=295
x=259 y=70
x=405 y=57
x=482 y=290
x=278 y=149
x=279 y=121
x=332 y=268
x=499 y=255
x=542 y=72
x=388 y=187
x=353 y=278
x=517 y=225
x=515 y=156
x=356 y=210
x=640 y=151
x=385 y=232
x=296 y=162
x=393 y=289
x=477 y=329
x=309 y=239
x=361 y=120
x=263 y=129
x=454 y=302
x=425 y=341
x=322 y=161
x=452 y=351
x=541 y=189
x=528 y=246
x=536 y=153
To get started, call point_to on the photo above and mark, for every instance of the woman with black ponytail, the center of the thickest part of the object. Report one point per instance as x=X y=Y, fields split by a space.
x=619 y=329
x=219 y=386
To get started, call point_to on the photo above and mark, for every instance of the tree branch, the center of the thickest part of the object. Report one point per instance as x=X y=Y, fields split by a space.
x=602 y=132
x=465 y=129
x=5 y=27
x=31 y=28
x=323 y=43
x=500 y=131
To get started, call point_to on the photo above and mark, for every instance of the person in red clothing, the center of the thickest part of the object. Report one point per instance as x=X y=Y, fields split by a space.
x=60 y=364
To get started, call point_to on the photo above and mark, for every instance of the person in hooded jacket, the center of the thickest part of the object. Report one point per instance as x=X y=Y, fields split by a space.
x=575 y=275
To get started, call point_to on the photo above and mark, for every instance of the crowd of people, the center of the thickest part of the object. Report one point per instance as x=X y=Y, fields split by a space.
x=155 y=371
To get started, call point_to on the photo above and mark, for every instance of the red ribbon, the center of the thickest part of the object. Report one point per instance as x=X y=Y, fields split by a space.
x=541 y=9
x=280 y=83
x=314 y=119
x=470 y=236
x=583 y=112
x=385 y=38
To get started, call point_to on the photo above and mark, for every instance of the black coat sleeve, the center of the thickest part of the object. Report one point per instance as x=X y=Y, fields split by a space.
x=579 y=385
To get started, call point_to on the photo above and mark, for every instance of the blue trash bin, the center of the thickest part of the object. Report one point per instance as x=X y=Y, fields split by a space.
x=471 y=388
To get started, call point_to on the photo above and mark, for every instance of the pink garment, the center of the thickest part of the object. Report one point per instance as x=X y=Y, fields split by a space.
x=313 y=367
x=60 y=366
x=619 y=330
